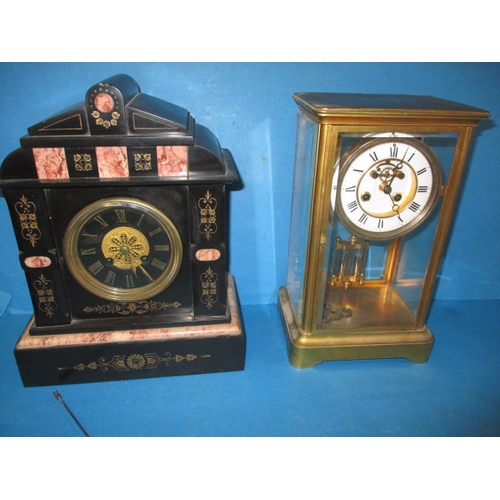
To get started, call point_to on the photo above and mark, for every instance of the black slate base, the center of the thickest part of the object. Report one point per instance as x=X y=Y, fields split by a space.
x=108 y=356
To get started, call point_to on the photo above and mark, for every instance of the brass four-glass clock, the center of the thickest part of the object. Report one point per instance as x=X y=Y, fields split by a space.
x=375 y=186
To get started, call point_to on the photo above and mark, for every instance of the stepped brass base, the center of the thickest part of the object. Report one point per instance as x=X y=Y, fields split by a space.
x=306 y=350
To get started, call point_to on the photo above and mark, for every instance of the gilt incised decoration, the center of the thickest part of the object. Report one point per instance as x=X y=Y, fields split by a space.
x=128 y=308
x=82 y=162
x=136 y=362
x=208 y=215
x=45 y=295
x=209 y=287
x=27 y=217
x=142 y=162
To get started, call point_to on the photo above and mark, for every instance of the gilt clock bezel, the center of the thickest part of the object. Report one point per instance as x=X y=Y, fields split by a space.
x=364 y=147
x=85 y=278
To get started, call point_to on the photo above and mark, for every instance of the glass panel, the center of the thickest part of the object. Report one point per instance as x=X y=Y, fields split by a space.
x=385 y=207
x=416 y=246
x=305 y=157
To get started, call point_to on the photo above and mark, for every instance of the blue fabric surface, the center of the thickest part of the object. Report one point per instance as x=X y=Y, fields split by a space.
x=4 y=301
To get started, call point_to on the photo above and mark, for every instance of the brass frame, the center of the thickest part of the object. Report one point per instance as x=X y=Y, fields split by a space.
x=308 y=345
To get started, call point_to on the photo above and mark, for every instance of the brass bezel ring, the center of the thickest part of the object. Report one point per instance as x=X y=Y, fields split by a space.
x=96 y=287
x=433 y=162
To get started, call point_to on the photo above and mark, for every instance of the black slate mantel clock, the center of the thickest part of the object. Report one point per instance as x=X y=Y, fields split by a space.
x=375 y=187
x=119 y=208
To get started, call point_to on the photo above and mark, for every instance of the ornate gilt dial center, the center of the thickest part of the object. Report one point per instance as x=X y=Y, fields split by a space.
x=388 y=187
x=125 y=246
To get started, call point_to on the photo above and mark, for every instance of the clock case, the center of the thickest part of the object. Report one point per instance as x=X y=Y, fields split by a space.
x=381 y=311
x=123 y=144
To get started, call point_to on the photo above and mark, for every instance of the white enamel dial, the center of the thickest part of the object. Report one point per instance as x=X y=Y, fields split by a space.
x=387 y=187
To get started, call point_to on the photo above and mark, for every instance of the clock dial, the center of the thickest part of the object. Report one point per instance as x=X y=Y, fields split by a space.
x=387 y=187
x=122 y=249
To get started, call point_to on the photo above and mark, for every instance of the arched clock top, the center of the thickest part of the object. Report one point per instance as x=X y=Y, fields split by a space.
x=119 y=134
x=112 y=108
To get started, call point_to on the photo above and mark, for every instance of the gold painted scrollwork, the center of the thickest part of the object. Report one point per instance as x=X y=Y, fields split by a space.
x=127 y=308
x=209 y=286
x=208 y=215
x=136 y=362
x=27 y=217
x=45 y=295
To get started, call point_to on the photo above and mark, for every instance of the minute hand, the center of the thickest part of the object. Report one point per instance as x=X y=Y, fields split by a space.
x=133 y=267
x=145 y=272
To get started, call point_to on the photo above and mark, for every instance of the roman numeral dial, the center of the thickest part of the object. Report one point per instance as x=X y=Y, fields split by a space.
x=386 y=187
x=122 y=249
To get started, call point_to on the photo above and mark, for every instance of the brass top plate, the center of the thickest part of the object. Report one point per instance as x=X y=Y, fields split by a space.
x=326 y=106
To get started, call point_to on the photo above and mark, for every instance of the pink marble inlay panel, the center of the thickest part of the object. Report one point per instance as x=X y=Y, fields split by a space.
x=104 y=102
x=37 y=262
x=172 y=160
x=207 y=254
x=51 y=163
x=112 y=161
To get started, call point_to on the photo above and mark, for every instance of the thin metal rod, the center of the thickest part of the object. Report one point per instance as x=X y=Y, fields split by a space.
x=59 y=397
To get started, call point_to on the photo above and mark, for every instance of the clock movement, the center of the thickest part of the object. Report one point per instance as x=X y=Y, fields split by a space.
x=119 y=207
x=375 y=187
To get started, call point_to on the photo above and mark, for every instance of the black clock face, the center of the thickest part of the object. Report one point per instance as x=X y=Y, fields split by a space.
x=122 y=249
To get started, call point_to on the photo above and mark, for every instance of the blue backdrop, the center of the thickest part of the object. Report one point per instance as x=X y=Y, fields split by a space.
x=250 y=109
